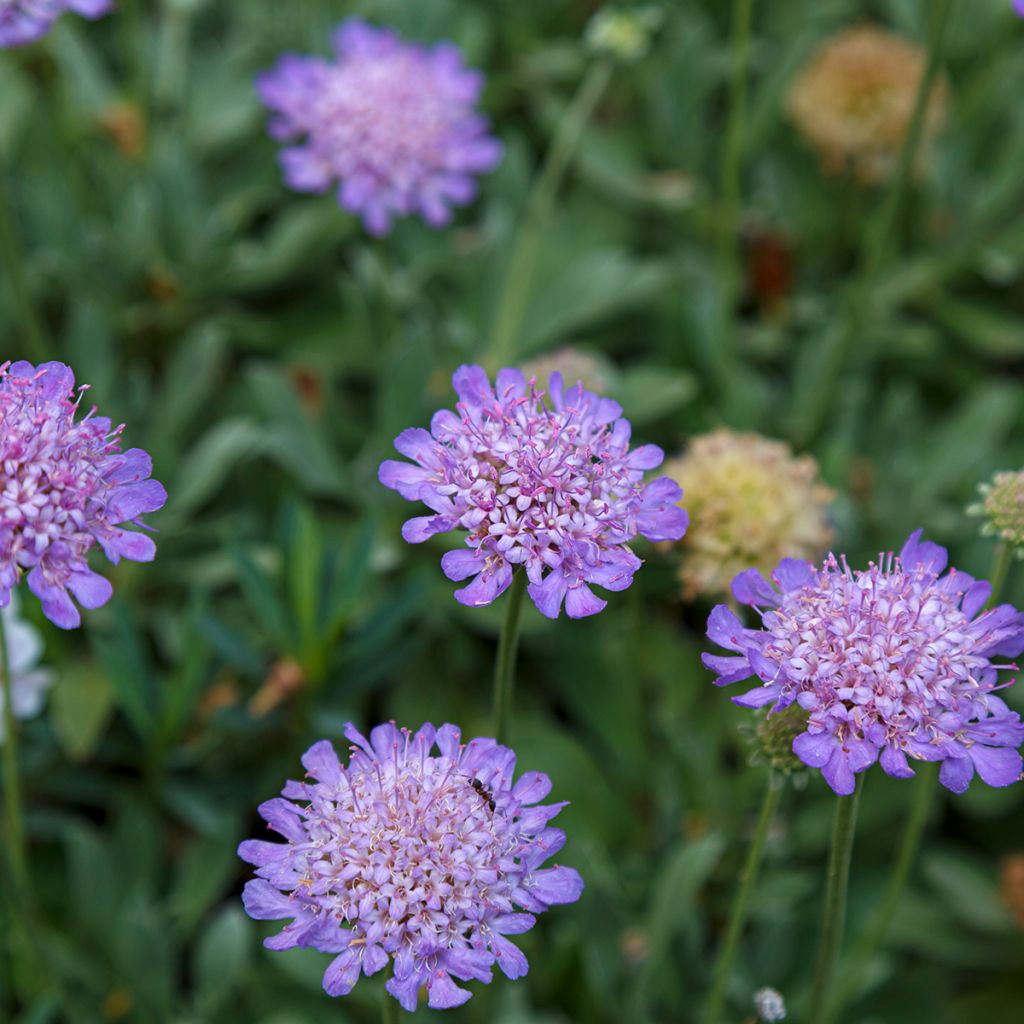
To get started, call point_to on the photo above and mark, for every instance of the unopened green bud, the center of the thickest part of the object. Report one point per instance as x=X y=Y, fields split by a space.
x=624 y=33
x=1002 y=508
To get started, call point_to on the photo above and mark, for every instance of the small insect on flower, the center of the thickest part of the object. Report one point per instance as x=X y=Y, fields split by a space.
x=422 y=851
x=540 y=479
x=65 y=485
x=892 y=662
x=24 y=21
x=485 y=794
x=392 y=124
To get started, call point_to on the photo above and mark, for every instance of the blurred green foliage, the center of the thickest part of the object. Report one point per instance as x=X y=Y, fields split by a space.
x=266 y=353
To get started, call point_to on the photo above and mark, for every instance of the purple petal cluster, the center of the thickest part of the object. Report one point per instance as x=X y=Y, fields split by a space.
x=422 y=851
x=65 y=485
x=25 y=21
x=542 y=480
x=893 y=662
x=393 y=123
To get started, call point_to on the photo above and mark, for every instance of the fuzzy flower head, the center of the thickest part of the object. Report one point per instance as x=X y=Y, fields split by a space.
x=422 y=850
x=1002 y=507
x=29 y=681
x=892 y=662
x=576 y=365
x=392 y=124
x=25 y=21
x=855 y=101
x=751 y=504
x=65 y=485
x=541 y=479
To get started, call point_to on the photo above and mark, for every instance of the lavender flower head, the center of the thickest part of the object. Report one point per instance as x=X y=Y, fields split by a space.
x=25 y=21
x=891 y=662
x=545 y=480
x=428 y=857
x=65 y=485
x=394 y=124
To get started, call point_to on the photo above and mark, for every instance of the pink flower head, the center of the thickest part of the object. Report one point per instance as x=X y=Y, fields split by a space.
x=545 y=480
x=25 y=21
x=892 y=662
x=421 y=851
x=393 y=124
x=64 y=486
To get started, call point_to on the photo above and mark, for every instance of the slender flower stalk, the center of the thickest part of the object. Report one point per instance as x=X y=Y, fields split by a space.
x=522 y=265
x=872 y=938
x=834 y=918
x=15 y=832
x=1001 y=561
x=505 y=663
x=730 y=184
x=741 y=904
x=389 y=1010
x=840 y=345
x=878 y=241
x=14 y=270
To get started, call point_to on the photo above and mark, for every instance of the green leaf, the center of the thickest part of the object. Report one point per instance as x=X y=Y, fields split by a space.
x=202 y=876
x=586 y=288
x=80 y=708
x=206 y=468
x=221 y=957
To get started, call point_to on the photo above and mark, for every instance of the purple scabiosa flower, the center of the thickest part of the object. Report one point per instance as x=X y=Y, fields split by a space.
x=428 y=857
x=545 y=480
x=64 y=486
x=393 y=123
x=25 y=21
x=890 y=662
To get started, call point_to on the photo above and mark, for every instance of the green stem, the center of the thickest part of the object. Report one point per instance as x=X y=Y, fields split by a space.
x=389 y=1009
x=878 y=240
x=15 y=832
x=1002 y=559
x=741 y=904
x=515 y=292
x=730 y=186
x=853 y=977
x=14 y=267
x=505 y=664
x=839 y=346
x=834 y=917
